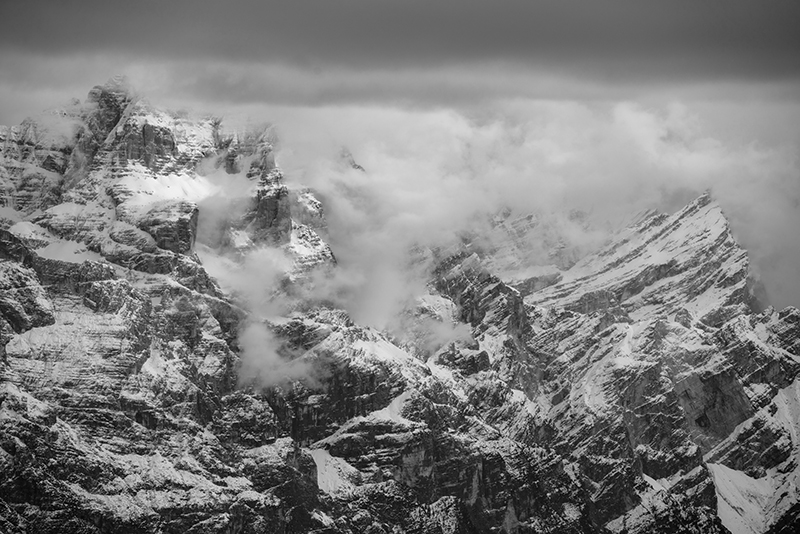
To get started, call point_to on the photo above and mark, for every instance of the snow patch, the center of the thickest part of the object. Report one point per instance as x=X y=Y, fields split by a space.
x=393 y=411
x=741 y=500
x=71 y=251
x=334 y=475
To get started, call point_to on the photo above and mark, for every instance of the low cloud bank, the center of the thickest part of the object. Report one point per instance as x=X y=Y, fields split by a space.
x=433 y=177
x=429 y=173
x=252 y=277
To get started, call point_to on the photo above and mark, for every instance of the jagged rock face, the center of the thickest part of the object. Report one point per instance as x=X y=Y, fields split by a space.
x=24 y=303
x=639 y=388
x=688 y=260
x=172 y=226
x=269 y=220
x=651 y=363
x=34 y=160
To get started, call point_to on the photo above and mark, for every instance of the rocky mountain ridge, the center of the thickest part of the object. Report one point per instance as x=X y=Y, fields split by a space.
x=643 y=387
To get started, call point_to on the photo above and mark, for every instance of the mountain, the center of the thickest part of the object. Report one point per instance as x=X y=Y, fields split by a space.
x=147 y=386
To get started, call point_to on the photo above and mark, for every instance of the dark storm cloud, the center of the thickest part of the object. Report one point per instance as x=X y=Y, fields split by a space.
x=609 y=40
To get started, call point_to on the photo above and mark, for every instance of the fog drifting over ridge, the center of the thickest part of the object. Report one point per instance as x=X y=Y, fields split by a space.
x=429 y=172
x=458 y=107
x=432 y=168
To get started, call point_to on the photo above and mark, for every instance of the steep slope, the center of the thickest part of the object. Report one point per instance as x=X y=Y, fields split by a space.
x=657 y=358
x=114 y=326
x=640 y=388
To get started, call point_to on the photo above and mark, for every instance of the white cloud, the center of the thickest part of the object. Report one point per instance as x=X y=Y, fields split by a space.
x=441 y=143
x=429 y=172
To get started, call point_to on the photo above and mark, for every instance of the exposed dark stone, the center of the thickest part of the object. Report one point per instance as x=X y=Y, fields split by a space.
x=173 y=226
x=149 y=144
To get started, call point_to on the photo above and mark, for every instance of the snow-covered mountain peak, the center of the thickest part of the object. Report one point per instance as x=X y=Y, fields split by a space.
x=689 y=260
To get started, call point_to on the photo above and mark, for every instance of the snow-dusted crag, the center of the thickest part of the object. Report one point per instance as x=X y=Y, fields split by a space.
x=643 y=387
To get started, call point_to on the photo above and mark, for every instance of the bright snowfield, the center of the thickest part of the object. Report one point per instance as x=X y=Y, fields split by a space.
x=166 y=339
x=747 y=505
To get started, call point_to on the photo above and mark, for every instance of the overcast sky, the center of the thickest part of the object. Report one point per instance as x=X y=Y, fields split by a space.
x=723 y=74
x=410 y=52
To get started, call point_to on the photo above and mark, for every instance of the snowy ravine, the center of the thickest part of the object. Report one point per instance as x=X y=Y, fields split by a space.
x=643 y=387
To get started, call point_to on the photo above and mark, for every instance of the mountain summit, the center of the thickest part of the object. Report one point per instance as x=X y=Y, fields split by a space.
x=168 y=363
